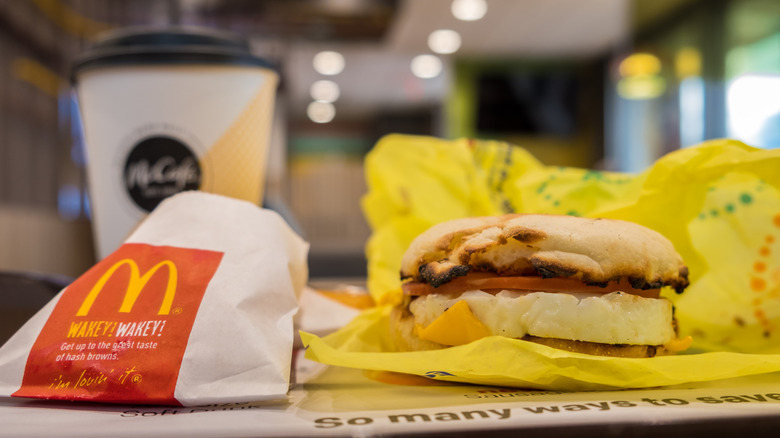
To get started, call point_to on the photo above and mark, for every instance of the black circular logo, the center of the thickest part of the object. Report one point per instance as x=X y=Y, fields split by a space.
x=158 y=167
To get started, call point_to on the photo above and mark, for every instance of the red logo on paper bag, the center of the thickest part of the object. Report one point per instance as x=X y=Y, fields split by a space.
x=119 y=332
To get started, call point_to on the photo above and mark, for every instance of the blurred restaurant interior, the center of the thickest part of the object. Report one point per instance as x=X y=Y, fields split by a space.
x=604 y=84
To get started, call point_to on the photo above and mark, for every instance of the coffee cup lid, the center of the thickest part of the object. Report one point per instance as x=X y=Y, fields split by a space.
x=168 y=45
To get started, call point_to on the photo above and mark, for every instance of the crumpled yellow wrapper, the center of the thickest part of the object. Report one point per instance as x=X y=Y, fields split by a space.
x=496 y=360
x=718 y=202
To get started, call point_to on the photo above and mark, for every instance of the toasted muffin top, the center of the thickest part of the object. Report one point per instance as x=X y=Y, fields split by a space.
x=595 y=251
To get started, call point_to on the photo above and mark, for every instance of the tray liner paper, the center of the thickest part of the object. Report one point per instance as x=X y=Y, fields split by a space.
x=718 y=202
x=196 y=307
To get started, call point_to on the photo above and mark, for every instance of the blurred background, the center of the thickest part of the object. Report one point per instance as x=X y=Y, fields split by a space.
x=606 y=84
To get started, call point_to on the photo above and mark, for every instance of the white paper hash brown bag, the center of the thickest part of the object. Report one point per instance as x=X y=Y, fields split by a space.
x=195 y=308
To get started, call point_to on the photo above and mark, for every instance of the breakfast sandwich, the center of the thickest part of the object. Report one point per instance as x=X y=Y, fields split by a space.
x=578 y=284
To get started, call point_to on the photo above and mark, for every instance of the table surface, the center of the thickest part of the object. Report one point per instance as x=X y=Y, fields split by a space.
x=333 y=401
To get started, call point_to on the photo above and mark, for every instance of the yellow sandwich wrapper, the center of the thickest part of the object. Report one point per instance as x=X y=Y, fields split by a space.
x=718 y=202
x=501 y=361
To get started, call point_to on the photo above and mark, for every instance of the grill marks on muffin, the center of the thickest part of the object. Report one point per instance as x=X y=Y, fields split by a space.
x=550 y=269
x=526 y=235
x=442 y=271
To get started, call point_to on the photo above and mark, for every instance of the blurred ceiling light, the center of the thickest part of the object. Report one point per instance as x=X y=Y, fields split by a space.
x=469 y=10
x=328 y=63
x=640 y=77
x=321 y=112
x=444 y=41
x=687 y=62
x=640 y=64
x=426 y=66
x=325 y=91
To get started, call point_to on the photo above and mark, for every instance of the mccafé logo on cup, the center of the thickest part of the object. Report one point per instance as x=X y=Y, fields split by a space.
x=158 y=167
x=119 y=332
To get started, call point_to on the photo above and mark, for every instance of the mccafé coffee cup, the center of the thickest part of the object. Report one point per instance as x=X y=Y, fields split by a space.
x=168 y=110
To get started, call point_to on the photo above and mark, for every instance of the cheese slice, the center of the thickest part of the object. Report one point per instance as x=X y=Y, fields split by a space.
x=456 y=326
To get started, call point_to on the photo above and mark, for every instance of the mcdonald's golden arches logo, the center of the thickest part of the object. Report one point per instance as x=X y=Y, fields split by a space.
x=135 y=285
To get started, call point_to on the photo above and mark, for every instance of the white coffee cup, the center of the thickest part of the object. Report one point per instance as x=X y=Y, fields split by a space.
x=167 y=110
